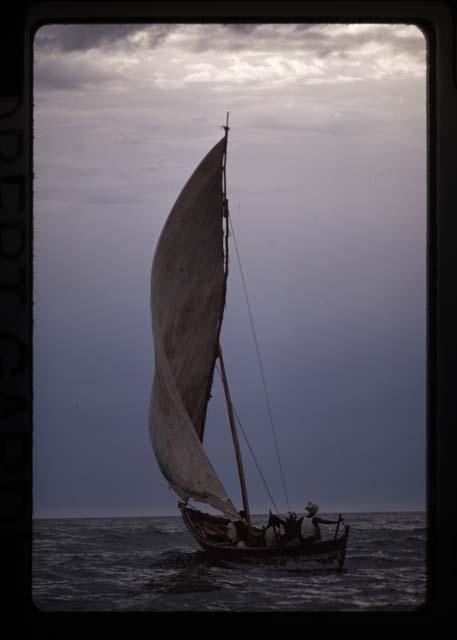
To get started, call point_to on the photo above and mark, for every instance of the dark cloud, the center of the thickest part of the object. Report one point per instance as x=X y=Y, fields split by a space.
x=82 y=37
x=312 y=39
x=324 y=43
x=50 y=74
x=315 y=40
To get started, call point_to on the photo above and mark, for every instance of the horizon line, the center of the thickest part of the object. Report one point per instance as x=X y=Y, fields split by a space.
x=74 y=516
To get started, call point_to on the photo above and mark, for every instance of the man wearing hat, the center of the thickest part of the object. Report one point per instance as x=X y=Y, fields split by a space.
x=310 y=529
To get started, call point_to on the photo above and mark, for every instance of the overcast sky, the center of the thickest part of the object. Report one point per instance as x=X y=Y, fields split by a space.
x=327 y=193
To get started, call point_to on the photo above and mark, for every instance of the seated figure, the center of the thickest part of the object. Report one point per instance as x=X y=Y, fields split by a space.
x=292 y=530
x=310 y=523
x=274 y=532
x=237 y=532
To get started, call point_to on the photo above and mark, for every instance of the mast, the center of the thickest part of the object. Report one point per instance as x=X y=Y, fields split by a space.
x=236 y=443
x=224 y=194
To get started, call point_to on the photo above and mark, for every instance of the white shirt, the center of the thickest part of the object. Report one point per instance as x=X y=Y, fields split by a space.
x=271 y=533
x=231 y=532
x=307 y=528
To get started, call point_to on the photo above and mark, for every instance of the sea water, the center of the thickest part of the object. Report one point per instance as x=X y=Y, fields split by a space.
x=154 y=564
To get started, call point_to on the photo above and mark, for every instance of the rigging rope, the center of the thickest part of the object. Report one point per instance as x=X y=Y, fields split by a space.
x=260 y=362
x=251 y=450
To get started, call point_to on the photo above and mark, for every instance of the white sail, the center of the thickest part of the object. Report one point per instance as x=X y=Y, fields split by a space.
x=188 y=284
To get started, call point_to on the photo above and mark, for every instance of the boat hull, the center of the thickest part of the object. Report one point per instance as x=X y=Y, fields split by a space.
x=326 y=552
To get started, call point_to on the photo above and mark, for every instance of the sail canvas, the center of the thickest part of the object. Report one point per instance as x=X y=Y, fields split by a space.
x=188 y=284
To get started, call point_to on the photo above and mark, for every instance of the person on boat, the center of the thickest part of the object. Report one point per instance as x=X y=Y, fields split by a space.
x=292 y=530
x=237 y=531
x=231 y=532
x=310 y=529
x=274 y=531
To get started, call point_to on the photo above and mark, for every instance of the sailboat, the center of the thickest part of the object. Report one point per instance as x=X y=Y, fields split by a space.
x=188 y=296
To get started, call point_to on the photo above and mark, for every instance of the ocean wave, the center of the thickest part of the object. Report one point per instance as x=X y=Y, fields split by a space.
x=154 y=564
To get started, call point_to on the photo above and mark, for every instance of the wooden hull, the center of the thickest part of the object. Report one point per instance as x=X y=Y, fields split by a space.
x=326 y=552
